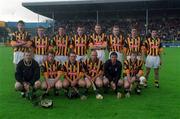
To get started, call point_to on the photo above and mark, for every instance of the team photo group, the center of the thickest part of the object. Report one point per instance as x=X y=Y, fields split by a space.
x=74 y=65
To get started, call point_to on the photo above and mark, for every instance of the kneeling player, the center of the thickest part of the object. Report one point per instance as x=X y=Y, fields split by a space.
x=132 y=72
x=112 y=72
x=74 y=77
x=52 y=72
x=27 y=75
x=94 y=73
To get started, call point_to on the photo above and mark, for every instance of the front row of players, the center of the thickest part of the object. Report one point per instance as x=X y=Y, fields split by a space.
x=79 y=76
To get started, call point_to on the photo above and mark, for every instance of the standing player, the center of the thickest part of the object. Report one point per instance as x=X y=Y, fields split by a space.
x=133 y=44
x=52 y=72
x=98 y=42
x=61 y=44
x=80 y=43
x=132 y=72
x=112 y=74
x=74 y=75
x=116 y=43
x=20 y=42
x=94 y=73
x=154 y=48
x=41 y=44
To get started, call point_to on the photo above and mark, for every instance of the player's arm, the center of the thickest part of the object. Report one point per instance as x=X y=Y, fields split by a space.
x=125 y=47
x=106 y=71
x=28 y=41
x=14 y=43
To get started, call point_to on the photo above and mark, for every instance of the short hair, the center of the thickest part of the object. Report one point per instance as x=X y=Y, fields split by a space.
x=97 y=25
x=134 y=52
x=113 y=54
x=20 y=22
x=153 y=29
x=115 y=26
x=71 y=52
x=51 y=52
x=40 y=27
x=61 y=26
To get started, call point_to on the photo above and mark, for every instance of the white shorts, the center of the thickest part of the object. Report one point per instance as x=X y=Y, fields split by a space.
x=101 y=54
x=40 y=58
x=152 y=61
x=82 y=58
x=61 y=59
x=119 y=56
x=17 y=56
x=138 y=57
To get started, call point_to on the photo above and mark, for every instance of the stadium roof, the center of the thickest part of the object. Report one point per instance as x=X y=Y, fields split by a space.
x=71 y=9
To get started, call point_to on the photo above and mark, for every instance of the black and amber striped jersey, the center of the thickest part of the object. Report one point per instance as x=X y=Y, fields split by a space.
x=133 y=45
x=61 y=44
x=41 y=45
x=73 y=70
x=116 y=43
x=153 y=46
x=132 y=68
x=51 y=70
x=80 y=44
x=20 y=37
x=98 y=40
x=93 y=67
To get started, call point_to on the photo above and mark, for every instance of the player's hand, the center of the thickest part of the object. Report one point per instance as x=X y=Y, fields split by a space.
x=113 y=86
x=26 y=86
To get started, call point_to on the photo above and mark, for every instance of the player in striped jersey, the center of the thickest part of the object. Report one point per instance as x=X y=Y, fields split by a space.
x=74 y=73
x=80 y=44
x=61 y=43
x=41 y=44
x=154 y=48
x=116 y=43
x=132 y=72
x=94 y=72
x=20 y=42
x=52 y=72
x=133 y=43
x=98 y=42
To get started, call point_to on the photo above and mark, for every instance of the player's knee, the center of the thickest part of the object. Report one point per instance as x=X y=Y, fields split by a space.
x=58 y=85
x=81 y=83
x=126 y=85
x=105 y=81
x=65 y=84
x=18 y=86
x=88 y=84
x=99 y=83
x=120 y=83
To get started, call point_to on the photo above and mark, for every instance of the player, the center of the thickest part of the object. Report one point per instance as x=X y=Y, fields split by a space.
x=41 y=45
x=20 y=42
x=27 y=74
x=94 y=73
x=98 y=42
x=80 y=44
x=61 y=43
x=154 y=49
x=112 y=74
x=132 y=72
x=116 y=43
x=133 y=43
x=73 y=76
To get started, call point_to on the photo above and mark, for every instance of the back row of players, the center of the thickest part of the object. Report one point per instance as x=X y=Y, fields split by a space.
x=130 y=50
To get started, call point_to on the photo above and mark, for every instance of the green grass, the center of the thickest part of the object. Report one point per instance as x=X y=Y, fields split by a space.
x=163 y=103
